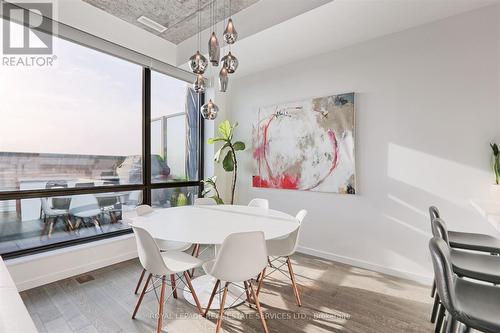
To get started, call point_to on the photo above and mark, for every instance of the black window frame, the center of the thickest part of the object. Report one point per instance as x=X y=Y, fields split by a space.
x=146 y=187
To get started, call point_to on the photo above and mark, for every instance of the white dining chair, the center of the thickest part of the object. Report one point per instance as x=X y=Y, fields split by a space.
x=160 y=265
x=201 y=202
x=163 y=244
x=204 y=202
x=280 y=251
x=84 y=207
x=262 y=203
x=241 y=257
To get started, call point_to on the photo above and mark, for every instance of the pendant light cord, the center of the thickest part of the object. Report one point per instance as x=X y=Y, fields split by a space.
x=199 y=25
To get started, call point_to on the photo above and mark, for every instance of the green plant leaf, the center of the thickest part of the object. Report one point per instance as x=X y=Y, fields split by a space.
x=211 y=141
x=219 y=152
x=225 y=129
x=228 y=162
x=238 y=145
x=218 y=200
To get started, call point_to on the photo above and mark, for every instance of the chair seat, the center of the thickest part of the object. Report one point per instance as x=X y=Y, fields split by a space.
x=167 y=245
x=56 y=212
x=475 y=242
x=483 y=267
x=178 y=262
x=86 y=213
x=481 y=303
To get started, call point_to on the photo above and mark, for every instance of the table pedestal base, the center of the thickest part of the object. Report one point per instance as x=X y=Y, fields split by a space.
x=203 y=287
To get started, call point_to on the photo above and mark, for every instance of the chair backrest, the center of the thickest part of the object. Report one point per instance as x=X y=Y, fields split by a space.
x=143 y=210
x=262 y=203
x=288 y=245
x=294 y=236
x=439 y=229
x=45 y=205
x=84 y=202
x=443 y=274
x=242 y=256
x=204 y=202
x=434 y=213
x=149 y=252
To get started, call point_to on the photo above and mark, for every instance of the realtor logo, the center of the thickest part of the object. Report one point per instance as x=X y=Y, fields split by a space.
x=27 y=29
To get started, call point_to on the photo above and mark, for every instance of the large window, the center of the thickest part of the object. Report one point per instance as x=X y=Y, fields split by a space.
x=84 y=142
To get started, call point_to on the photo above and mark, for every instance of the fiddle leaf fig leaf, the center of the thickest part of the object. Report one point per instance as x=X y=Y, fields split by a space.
x=228 y=162
x=218 y=200
x=219 y=152
x=225 y=129
x=211 y=141
x=238 y=145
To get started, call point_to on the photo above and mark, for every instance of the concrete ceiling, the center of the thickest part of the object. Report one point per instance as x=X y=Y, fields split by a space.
x=179 y=16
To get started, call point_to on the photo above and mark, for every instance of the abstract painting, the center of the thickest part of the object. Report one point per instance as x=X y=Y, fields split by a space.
x=307 y=145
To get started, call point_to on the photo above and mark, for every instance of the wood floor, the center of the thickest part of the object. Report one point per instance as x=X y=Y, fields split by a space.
x=336 y=298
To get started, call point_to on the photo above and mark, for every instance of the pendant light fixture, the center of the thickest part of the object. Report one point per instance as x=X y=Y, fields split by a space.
x=213 y=42
x=199 y=84
x=198 y=63
x=230 y=62
x=209 y=110
x=223 y=79
x=230 y=34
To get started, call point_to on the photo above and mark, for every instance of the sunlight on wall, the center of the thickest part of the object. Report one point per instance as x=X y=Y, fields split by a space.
x=407 y=225
x=408 y=205
x=446 y=179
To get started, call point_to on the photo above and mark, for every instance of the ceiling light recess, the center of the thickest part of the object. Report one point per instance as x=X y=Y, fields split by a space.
x=151 y=24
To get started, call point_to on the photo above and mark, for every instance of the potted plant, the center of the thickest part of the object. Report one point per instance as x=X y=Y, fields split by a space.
x=229 y=161
x=495 y=164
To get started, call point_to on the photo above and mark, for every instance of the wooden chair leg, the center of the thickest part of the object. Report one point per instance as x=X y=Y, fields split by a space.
x=140 y=281
x=172 y=282
x=259 y=309
x=294 y=283
x=77 y=223
x=68 y=222
x=221 y=310
x=51 y=226
x=195 y=253
x=261 y=280
x=160 y=308
x=435 y=309
x=211 y=298
x=139 y=301
x=193 y=292
x=247 y=292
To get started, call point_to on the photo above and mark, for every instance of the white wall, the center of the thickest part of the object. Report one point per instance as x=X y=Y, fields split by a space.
x=427 y=103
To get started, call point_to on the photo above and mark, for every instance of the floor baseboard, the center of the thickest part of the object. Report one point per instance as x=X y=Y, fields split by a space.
x=424 y=279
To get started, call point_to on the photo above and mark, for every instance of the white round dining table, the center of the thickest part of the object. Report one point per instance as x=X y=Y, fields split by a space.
x=210 y=225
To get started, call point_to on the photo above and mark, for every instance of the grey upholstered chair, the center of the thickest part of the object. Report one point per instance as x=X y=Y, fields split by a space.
x=467 y=240
x=472 y=265
x=461 y=240
x=475 y=305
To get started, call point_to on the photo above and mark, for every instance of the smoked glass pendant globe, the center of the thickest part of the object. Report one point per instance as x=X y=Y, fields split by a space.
x=209 y=110
x=230 y=34
x=198 y=63
x=230 y=62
